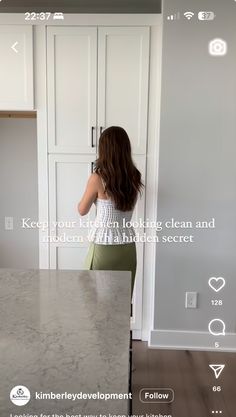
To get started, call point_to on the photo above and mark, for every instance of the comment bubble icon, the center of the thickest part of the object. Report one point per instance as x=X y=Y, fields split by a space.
x=217 y=327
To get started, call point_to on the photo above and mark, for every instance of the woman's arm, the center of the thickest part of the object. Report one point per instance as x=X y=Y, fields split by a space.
x=89 y=196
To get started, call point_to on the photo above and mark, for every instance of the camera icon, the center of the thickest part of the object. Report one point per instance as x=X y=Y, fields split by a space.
x=217 y=47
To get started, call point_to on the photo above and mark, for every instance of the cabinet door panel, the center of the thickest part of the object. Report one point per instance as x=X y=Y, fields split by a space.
x=70 y=257
x=68 y=175
x=16 y=69
x=72 y=88
x=123 y=66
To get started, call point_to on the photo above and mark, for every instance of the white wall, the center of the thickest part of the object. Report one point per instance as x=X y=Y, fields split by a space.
x=197 y=177
x=18 y=191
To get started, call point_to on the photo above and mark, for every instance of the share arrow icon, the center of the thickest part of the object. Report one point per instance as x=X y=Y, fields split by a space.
x=217 y=369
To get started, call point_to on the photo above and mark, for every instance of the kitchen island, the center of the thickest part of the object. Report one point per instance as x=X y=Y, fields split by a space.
x=64 y=334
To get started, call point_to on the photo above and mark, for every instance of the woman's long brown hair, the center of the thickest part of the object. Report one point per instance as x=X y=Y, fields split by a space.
x=115 y=166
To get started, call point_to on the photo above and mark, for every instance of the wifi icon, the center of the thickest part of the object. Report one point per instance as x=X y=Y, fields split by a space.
x=189 y=15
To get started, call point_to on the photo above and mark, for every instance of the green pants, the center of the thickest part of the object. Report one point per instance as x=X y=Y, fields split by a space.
x=113 y=258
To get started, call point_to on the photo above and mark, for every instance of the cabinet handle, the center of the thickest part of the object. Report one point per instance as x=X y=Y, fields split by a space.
x=92 y=167
x=101 y=129
x=92 y=133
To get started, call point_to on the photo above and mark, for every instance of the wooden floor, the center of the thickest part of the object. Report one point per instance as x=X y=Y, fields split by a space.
x=189 y=375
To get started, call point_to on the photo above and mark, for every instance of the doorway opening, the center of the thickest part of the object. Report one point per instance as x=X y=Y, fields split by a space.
x=19 y=247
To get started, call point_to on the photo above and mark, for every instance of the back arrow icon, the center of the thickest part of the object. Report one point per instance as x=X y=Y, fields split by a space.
x=14 y=47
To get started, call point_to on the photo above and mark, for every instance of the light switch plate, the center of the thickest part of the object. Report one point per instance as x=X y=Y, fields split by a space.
x=8 y=223
x=191 y=299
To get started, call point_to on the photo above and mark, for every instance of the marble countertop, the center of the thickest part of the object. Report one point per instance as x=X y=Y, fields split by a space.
x=64 y=331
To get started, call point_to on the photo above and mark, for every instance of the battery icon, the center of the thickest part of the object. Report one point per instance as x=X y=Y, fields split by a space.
x=206 y=15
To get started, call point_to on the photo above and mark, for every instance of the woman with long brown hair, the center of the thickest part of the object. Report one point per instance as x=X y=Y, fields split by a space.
x=113 y=187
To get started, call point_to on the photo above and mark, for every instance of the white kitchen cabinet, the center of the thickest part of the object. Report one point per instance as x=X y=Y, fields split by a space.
x=123 y=67
x=96 y=78
x=96 y=82
x=16 y=68
x=72 y=89
x=68 y=175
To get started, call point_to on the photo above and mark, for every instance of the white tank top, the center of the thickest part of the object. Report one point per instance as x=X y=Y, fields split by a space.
x=111 y=226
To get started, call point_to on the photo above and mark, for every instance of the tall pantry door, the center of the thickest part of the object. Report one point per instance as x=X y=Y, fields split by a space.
x=72 y=112
x=123 y=78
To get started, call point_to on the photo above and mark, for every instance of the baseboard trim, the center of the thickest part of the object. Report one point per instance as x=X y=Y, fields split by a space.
x=186 y=340
x=136 y=334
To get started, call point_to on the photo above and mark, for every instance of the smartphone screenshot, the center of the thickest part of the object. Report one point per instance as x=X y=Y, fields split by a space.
x=117 y=208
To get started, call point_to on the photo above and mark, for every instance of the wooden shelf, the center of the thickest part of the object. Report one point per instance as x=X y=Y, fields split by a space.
x=18 y=114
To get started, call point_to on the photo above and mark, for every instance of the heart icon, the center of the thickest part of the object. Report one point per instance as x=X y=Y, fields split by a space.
x=216 y=283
